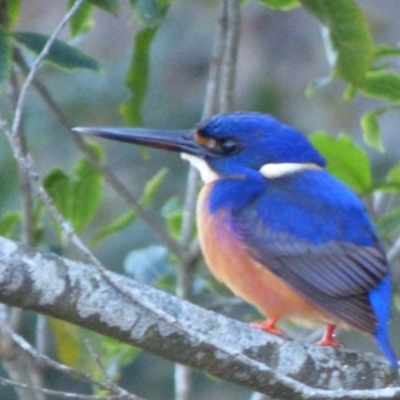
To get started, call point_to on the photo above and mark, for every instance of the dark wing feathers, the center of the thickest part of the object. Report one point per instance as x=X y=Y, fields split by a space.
x=335 y=276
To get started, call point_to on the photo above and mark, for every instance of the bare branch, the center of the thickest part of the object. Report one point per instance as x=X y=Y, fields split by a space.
x=229 y=56
x=184 y=333
x=96 y=359
x=44 y=360
x=218 y=98
x=64 y=395
x=109 y=176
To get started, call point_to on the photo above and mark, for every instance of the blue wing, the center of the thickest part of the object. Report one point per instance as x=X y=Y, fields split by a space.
x=313 y=232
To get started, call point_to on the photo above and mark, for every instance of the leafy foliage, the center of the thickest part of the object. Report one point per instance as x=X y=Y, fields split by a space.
x=137 y=77
x=281 y=4
x=370 y=127
x=9 y=222
x=382 y=85
x=82 y=21
x=345 y=160
x=77 y=197
x=150 y=12
x=61 y=54
x=349 y=34
x=172 y=212
x=123 y=221
x=111 y=6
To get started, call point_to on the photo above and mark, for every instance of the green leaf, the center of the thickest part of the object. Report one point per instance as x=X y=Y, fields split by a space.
x=123 y=221
x=58 y=186
x=81 y=21
x=280 y=4
x=37 y=217
x=115 y=356
x=150 y=12
x=61 y=54
x=111 y=6
x=394 y=174
x=389 y=187
x=68 y=341
x=350 y=93
x=172 y=212
x=371 y=131
x=152 y=186
x=5 y=56
x=349 y=35
x=136 y=79
x=346 y=161
x=86 y=190
x=77 y=197
x=115 y=226
x=12 y=13
x=386 y=51
x=382 y=85
x=9 y=222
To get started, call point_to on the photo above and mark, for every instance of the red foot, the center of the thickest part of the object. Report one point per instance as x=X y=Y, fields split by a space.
x=327 y=339
x=267 y=326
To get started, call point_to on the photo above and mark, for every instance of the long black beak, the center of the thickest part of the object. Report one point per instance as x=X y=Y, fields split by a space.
x=179 y=141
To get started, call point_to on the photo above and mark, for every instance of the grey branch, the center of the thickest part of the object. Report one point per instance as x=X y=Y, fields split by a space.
x=182 y=332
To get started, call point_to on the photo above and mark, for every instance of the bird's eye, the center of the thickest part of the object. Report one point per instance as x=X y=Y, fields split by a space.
x=229 y=146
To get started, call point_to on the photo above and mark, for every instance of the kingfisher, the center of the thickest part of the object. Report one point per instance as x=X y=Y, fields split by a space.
x=278 y=229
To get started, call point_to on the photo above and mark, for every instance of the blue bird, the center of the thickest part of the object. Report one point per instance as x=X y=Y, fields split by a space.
x=277 y=228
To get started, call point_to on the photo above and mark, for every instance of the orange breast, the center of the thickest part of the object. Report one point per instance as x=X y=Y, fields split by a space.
x=231 y=263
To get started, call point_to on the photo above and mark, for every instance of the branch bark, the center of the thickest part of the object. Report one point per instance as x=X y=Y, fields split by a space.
x=182 y=332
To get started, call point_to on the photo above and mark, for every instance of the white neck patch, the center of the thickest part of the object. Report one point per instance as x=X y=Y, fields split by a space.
x=206 y=173
x=277 y=170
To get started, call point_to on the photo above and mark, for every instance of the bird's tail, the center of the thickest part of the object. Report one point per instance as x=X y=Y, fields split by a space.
x=382 y=338
x=380 y=302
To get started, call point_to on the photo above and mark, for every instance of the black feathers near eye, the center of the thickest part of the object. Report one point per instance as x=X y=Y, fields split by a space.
x=229 y=146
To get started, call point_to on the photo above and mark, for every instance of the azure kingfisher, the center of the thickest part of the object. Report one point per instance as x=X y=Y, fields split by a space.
x=277 y=228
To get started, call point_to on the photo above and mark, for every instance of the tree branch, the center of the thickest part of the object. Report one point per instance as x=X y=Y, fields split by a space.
x=218 y=99
x=36 y=64
x=114 y=182
x=179 y=331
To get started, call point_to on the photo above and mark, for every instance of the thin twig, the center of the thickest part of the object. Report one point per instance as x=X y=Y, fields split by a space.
x=218 y=98
x=34 y=372
x=36 y=64
x=33 y=375
x=109 y=176
x=229 y=58
x=25 y=162
x=64 y=395
x=17 y=365
x=96 y=359
x=82 y=376
x=25 y=187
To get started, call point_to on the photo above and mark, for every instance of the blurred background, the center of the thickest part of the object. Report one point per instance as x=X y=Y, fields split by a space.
x=280 y=54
